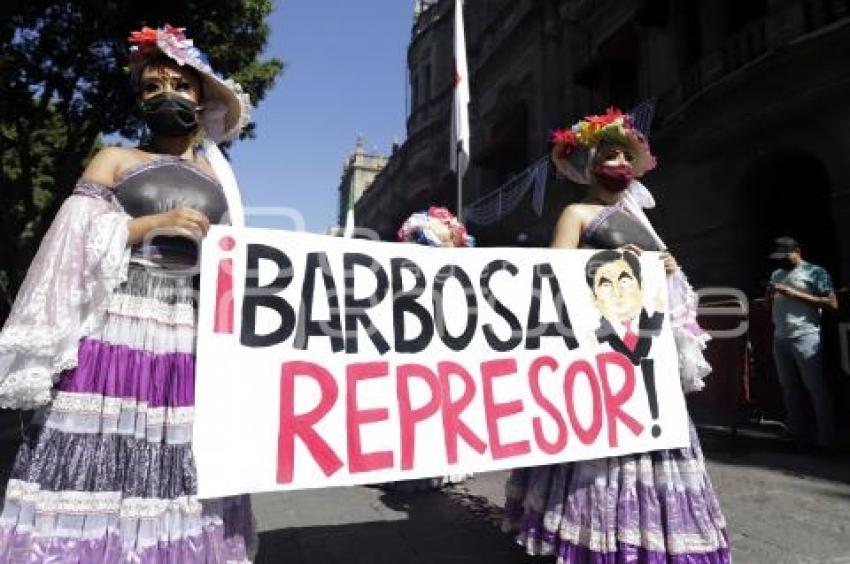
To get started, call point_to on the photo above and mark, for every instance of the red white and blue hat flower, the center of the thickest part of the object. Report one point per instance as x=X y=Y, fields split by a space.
x=435 y=227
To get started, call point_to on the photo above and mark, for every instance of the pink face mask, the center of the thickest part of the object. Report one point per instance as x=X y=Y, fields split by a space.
x=614 y=178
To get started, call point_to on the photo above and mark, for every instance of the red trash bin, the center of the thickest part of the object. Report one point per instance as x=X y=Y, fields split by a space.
x=726 y=391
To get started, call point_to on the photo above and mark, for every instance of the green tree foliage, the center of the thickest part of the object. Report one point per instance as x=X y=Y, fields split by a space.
x=64 y=83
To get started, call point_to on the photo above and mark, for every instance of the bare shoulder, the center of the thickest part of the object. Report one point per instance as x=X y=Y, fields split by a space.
x=577 y=213
x=108 y=163
x=567 y=234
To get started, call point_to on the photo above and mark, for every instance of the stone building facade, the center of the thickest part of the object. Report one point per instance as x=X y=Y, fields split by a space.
x=751 y=125
x=358 y=174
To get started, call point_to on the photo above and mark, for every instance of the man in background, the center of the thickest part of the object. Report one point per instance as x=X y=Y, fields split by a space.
x=800 y=291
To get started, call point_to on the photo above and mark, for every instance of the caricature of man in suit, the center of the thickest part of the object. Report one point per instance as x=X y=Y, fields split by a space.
x=614 y=278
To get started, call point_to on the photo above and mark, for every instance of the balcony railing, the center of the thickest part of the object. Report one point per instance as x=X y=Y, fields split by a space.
x=778 y=28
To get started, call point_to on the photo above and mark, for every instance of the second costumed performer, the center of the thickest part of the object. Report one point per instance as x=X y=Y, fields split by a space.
x=102 y=335
x=652 y=507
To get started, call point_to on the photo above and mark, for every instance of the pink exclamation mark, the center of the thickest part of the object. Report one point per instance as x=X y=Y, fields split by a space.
x=224 y=290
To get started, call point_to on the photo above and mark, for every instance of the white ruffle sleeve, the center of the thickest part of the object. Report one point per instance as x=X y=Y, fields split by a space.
x=81 y=260
x=691 y=339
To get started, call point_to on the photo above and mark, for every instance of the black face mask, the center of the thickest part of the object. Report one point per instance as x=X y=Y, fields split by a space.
x=170 y=115
x=785 y=263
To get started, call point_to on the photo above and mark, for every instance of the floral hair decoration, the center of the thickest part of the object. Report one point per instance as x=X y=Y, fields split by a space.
x=614 y=127
x=227 y=107
x=172 y=42
x=436 y=227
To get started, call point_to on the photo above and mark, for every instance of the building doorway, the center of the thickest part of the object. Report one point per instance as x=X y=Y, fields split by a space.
x=787 y=193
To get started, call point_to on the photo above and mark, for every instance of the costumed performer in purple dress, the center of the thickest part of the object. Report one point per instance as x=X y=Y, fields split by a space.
x=101 y=338
x=652 y=507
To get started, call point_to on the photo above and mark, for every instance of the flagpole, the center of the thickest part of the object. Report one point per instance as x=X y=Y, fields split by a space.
x=458 y=151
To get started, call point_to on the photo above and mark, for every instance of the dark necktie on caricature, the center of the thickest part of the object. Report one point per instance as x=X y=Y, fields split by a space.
x=630 y=339
x=634 y=346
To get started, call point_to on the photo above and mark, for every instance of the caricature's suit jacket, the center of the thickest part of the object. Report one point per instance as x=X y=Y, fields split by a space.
x=648 y=327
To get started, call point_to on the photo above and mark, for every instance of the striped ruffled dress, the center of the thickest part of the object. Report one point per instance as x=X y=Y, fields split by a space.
x=106 y=472
x=650 y=508
x=647 y=508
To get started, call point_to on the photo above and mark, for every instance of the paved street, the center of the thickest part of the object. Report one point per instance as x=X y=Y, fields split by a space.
x=782 y=508
x=366 y=525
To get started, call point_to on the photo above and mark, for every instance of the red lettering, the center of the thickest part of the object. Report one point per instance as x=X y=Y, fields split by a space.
x=614 y=402
x=493 y=411
x=588 y=435
x=453 y=427
x=409 y=417
x=358 y=461
x=302 y=425
x=223 y=322
x=560 y=441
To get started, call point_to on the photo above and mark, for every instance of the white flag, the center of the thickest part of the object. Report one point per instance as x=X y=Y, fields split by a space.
x=459 y=149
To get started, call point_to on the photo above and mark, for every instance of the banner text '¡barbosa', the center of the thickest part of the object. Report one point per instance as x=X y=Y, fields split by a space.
x=354 y=312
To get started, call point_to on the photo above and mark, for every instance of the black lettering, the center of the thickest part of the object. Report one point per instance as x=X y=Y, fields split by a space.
x=257 y=296
x=404 y=301
x=462 y=341
x=307 y=326
x=355 y=309
x=499 y=308
x=536 y=329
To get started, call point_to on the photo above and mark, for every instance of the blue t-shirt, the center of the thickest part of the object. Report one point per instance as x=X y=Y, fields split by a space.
x=792 y=317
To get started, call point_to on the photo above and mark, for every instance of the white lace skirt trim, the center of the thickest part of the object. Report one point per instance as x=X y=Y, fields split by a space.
x=71 y=514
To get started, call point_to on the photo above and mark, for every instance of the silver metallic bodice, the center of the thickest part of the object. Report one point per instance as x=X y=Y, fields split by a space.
x=160 y=185
x=614 y=228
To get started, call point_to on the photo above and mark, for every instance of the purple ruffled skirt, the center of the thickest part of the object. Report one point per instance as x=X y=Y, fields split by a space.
x=106 y=472
x=656 y=507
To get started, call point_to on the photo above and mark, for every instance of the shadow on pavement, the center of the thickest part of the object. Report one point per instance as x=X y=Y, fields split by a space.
x=437 y=530
x=764 y=448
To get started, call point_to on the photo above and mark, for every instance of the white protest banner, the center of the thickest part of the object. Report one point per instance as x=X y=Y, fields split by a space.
x=326 y=362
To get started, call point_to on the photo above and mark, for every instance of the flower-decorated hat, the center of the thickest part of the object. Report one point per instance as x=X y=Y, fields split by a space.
x=436 y=227
x=573 y=148
x=227 y=108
